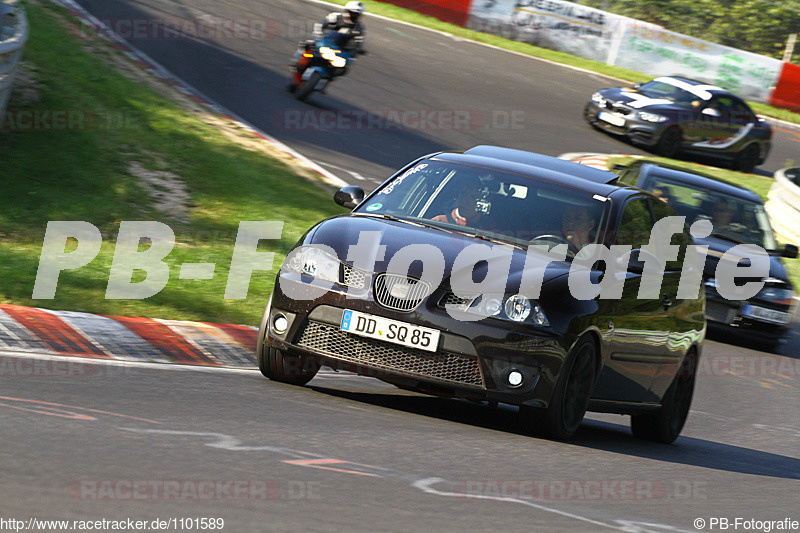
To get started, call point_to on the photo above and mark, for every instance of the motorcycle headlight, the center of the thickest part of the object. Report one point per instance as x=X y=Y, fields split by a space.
x=333 y=56
x=514 y=307
x=314 y=263
x=651 y=117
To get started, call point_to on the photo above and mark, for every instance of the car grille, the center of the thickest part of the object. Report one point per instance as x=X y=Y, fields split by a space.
x=442 y=366
x=399 y=292
x=622 y=110
x=352 y=277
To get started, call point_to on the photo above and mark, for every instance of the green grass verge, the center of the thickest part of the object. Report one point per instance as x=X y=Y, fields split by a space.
x=83 y=172
x=406 y=15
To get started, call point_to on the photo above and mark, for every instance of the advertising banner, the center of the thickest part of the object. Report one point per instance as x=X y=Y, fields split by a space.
x=579 y=30
x=653 y=50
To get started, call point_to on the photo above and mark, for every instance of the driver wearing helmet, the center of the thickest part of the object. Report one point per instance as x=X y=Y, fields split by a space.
x=347 y=24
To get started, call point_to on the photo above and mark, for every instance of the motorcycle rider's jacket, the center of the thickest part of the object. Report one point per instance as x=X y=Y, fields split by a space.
x=351 y=34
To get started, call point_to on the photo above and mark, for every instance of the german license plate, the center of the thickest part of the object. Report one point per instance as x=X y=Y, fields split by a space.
x=611 y=119
x=767 y=315
x=385 y=329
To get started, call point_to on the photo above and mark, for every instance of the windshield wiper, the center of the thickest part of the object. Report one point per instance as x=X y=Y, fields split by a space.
x=483 y=237
x=727 y=237
x=398 y=219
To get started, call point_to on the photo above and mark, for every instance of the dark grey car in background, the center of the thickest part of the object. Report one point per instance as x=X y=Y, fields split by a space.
x=765 y=316
x=670 y=115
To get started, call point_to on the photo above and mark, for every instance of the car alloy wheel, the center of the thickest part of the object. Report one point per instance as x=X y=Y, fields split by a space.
x=571 y=395
x=670 y=142
x=747 y=159
x=279 y=365
x=666 y=424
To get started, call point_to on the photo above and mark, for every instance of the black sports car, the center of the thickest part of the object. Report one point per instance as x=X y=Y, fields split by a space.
x=461 y=276
x=738 y=217
x=669 y=115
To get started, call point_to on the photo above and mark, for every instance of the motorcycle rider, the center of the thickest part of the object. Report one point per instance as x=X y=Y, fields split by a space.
x=350 y=34
x=345 y=22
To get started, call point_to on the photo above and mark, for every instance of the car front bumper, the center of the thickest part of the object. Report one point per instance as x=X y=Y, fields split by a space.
x=473 y=359
x=636 y=130
x=768 y=327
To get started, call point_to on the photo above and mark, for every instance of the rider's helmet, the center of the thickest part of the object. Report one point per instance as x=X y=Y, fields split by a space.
x=354 y=9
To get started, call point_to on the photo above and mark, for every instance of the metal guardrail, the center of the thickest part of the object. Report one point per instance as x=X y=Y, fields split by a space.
x=783 y=205
x=13 y=36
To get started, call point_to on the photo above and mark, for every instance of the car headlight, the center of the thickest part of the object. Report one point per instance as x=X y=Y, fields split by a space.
x=514 y=307
x=651 y=117
x=777 y=295
x=314 y=263
x=598 y=99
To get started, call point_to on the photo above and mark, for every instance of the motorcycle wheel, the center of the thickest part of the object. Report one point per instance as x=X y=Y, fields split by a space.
x=308 y=86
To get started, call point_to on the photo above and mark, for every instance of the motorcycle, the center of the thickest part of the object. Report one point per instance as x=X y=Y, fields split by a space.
x=317 y=62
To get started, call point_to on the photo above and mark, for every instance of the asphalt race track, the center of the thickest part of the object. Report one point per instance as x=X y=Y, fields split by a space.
x=94 y=439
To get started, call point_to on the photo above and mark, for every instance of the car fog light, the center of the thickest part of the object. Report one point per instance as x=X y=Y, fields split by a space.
x=280 y=323
x=514 y=378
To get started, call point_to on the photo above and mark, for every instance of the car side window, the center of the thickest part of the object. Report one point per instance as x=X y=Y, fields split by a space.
x=635 y=224
x=741 y=114
x=681 y=239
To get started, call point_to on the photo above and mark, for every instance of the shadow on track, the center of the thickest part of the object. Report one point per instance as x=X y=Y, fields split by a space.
x=593 y=434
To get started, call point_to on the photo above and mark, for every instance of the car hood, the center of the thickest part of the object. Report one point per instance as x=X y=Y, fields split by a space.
x=717 y=247
x=638 y=100
x=342 y=232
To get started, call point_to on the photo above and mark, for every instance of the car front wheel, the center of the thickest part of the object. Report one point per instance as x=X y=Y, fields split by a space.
x=570 y=398
x=670 y=142
x=666 y=424
x=282 y=366
x=747 y=159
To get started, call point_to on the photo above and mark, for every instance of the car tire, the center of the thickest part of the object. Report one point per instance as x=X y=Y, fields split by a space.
x=669 y=144
x=747 y=158
x=279 y=365
x=666 y=424
x=307 y=87
x=571 y=395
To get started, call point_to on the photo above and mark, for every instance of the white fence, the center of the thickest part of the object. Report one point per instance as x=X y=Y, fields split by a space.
x=628 y=43
x=783 y=206
x=13 y=36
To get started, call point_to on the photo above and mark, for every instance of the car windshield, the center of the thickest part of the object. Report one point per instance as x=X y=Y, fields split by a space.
x=733 y=218
x=491 y=204
x=660 y=88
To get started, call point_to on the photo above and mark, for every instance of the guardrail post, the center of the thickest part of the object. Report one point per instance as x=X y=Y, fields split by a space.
x=13 y=36
x=783 y=206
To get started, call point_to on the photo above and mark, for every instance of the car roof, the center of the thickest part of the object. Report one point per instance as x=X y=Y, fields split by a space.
x=699 y=88
x=648 y=170
x=536 y=165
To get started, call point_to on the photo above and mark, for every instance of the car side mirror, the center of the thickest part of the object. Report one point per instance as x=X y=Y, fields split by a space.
x=637 y=85
x=789 y=251
x=349 y=196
